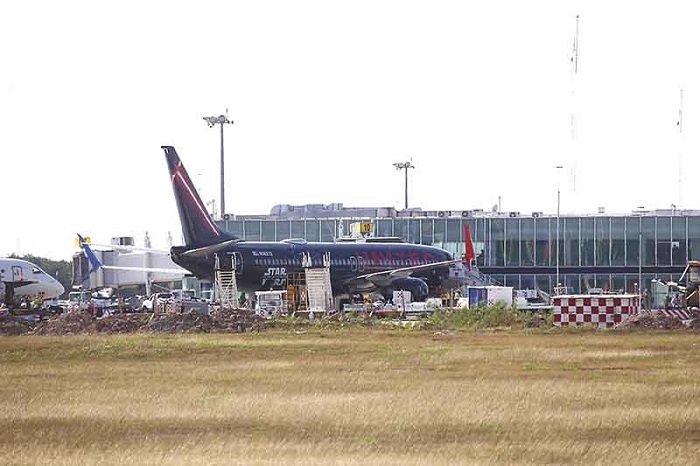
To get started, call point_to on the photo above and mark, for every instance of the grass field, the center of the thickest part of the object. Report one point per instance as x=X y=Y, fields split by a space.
x=352 y=396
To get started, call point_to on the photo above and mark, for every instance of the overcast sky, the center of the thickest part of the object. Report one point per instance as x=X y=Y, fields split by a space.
x=325 y=96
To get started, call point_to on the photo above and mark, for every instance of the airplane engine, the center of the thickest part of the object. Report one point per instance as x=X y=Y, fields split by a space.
x=417 y=287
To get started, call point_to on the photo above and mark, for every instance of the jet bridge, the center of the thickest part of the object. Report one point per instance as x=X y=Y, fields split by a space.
x=119 y=256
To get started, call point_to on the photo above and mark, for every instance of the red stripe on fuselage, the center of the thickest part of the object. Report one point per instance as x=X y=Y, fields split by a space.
x=202 y=213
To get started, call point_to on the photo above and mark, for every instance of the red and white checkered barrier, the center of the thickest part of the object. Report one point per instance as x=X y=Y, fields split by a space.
x=597 y=310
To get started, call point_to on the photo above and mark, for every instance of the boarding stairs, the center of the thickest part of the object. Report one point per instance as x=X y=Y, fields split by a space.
x=461 y=275
x=476 y=278
x=318 y=284
x=226 y=286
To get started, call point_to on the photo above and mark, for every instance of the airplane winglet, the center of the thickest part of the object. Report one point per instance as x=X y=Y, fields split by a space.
x=94 y=261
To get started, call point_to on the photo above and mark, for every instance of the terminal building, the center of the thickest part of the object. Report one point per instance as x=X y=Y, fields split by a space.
x=525 y=250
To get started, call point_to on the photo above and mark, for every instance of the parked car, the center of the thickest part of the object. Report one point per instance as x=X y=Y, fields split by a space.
x=187 y=301
x=184 y=296
x=158 y=299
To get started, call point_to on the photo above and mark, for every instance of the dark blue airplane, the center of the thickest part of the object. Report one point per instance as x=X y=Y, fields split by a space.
x=355 y=267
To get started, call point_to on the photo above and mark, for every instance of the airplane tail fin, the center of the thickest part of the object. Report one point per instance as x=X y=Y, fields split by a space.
x=197 y=225
x=95 y=263
x=469 y=254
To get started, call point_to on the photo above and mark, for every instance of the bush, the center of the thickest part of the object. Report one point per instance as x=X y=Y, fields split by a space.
x=499 y=315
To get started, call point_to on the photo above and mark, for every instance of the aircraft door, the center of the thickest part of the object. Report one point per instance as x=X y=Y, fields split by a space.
x=293 y=251
x=237 y=262
x=357 y=264
x=16 y=273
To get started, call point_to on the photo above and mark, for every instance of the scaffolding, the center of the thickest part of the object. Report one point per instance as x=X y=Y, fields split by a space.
x=318 y=283
x=310 y=292
x=296 y=292
x=225 y=283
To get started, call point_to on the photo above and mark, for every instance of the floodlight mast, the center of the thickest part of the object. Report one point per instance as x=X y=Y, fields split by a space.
x=558 y=167
x=220 y=120
x=404 y=166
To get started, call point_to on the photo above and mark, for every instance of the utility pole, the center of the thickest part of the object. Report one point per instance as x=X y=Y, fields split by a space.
x=404 y=166
x=220 y=120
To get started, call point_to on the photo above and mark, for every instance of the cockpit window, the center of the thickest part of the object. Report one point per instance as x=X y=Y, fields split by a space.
x=37 y=270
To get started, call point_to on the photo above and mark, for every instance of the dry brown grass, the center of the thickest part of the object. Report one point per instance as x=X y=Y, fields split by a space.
x=356 y=396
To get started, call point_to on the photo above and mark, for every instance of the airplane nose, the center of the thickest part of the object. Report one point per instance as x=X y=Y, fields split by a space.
x=59 y=289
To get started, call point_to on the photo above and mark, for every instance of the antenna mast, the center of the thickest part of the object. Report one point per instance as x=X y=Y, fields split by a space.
x=574 y=57
x=574 y=61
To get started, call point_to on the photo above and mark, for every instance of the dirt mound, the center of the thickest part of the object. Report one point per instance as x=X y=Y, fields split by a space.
x=77 y=323
x=70 y=323
x=180 y=323
x=237 y=320
x=122 y=323
x=220 y=320
x=74 y=323
x=15 y=325
x=651 y=319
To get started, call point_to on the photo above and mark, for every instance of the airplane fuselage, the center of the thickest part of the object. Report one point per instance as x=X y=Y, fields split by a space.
x=363 y=266
x=267 y=265
x=26 y=280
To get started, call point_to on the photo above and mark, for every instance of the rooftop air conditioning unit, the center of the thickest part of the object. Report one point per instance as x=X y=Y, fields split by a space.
x=513 y=214
x=537 y=214
x=122 y=240
x=441 y=213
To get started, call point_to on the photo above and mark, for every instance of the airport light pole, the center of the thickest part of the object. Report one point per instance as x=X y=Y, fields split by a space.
x=405 y=166
x=558 y=167
x=639 y=281
x=220 y=120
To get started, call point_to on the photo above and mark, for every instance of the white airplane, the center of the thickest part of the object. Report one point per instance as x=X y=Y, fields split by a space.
x=22 y=279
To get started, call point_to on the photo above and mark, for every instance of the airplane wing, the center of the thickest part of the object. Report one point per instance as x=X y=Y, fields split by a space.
x=19 y=283
x=385 y=277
